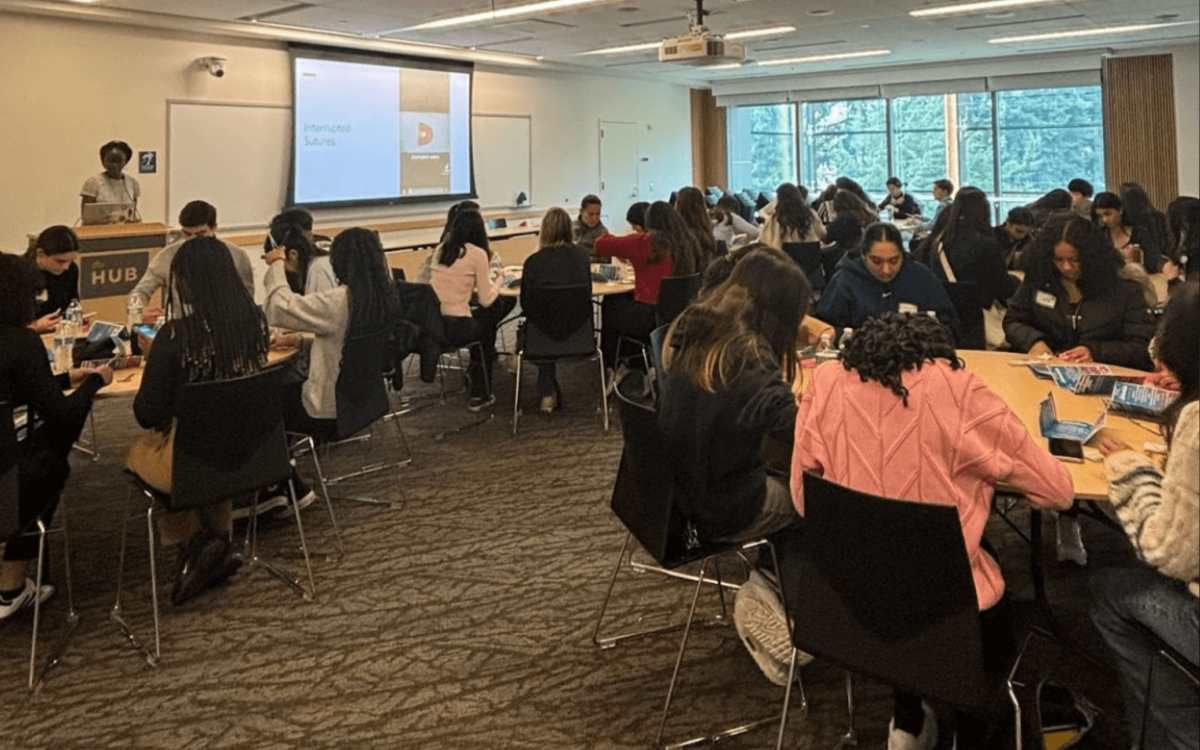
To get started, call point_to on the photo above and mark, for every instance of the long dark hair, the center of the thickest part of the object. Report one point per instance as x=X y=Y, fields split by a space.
x=1051 y=203
x=223 y=334
x=1184 y=217
x=669 y=236
x=847 y=203
x=970 y=214
x=792 y=213
x=1177 y=348
x=55 y=240
x=360 y=264
x=884 y=347
x=761 y=303
x=1099 y=260
x=290 y=230
x=454 y=212
x=1140 y=212
x=19 y=286
x=690 y=206
x=466 y=229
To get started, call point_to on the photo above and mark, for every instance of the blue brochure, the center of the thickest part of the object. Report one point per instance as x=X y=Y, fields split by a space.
x=1052 y=427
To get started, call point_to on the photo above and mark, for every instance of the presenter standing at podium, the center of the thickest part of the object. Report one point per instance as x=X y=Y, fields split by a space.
x=112 y=185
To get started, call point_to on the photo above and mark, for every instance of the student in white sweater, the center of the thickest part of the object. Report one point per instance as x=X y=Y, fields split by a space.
x=461 y=270
x=1159 y=510
x=365 y=301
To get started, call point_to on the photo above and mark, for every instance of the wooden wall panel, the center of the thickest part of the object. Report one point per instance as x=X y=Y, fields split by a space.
x=1139 y=125
x=710 y=160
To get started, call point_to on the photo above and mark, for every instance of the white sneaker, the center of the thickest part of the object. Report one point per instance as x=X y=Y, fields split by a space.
x=898 y=739
x=762 y=625
x=28 y=596
x=1069 y=540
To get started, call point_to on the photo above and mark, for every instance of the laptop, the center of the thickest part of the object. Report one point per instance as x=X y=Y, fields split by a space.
x=109 y=213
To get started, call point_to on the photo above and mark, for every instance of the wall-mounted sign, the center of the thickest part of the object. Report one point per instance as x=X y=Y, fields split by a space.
x=111 y=274
x=147 y=162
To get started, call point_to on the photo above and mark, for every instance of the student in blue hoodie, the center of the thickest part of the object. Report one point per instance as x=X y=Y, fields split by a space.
x=879 y=278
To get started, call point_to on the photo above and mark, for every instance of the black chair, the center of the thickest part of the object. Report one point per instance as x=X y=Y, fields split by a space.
x=558 y=326
x=362 y=400
x=1172 y=659
x=893 y=599
x=647 y=501
x=807 y=255
x=229 y=441
x=674 y=295
x=12 y=430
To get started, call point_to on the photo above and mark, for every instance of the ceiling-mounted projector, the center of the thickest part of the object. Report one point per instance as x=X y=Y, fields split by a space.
x=700 y=46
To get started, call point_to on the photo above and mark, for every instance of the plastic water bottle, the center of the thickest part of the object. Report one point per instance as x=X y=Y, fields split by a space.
x=64 y=347
x=133 y=313
x=825 y=350
x=73 y=318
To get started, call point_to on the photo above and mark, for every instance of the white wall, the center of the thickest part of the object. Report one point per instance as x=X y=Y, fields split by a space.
x=66 y=87
x=1186 y=64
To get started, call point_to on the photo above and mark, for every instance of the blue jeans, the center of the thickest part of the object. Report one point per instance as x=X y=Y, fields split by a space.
x=1125 y=603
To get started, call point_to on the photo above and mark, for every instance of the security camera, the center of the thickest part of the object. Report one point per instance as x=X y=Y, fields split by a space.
x=214 y=65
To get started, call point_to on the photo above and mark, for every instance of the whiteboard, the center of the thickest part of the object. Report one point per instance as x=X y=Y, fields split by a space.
x=503 y=146
x=235 y=156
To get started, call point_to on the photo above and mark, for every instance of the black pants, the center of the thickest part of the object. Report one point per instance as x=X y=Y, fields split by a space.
x=297 y=419
x=42 y=470
x=623 y=317
x=481 y=327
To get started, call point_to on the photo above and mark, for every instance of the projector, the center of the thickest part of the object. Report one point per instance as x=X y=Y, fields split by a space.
x=700 y=47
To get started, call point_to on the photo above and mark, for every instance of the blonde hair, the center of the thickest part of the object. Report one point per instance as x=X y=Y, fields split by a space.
x=556 y=229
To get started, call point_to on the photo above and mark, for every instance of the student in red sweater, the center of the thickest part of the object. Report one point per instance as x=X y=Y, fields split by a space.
x=665 y=249
x=900 y=417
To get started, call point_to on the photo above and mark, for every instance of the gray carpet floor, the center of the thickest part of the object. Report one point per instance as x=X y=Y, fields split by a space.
x=460 y=615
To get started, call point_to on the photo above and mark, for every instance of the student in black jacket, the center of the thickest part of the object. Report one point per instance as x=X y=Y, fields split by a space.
x=53 y=255
x=557 y=262
x=1073 y=304
x=902 y=204
x=729 y=361
x=40 y=459
x=963 y=253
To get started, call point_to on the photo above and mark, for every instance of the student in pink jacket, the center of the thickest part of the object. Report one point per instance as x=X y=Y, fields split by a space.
x=900 y=417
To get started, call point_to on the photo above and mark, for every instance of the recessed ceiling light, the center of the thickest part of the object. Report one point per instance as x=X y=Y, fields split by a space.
x=1000 y=16
x=826 y=58
x=508 y=11
x=1101 y=31
x=820 y=12
x=756 y=33
x=982 y=6
x=639 y=47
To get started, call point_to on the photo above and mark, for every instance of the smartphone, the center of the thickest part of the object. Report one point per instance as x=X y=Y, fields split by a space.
x=145 y=330
x=1066 y=450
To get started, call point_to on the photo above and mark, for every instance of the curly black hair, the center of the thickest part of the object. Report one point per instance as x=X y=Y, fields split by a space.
x=883 y=348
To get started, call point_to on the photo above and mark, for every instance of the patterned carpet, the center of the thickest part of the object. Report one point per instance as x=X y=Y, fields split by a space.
x=460 y=616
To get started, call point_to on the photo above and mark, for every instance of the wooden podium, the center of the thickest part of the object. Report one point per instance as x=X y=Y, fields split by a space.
x=112 y=258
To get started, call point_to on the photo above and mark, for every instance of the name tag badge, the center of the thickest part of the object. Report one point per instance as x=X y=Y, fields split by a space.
x=907 y=308
x=1046 y=299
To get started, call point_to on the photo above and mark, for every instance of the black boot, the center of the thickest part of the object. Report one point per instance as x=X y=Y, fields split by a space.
x=200 y=559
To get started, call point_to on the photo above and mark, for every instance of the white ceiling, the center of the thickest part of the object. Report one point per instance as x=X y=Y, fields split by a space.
x=823 y=26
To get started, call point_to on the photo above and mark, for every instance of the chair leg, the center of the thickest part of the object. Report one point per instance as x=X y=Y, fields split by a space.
x=37 y=601
x=72 y=617
x=603 y=389
x=337 y=534
x=282 y=575
x=153 y=577
x=116 y=615
x=517 y=395
x=687 y=629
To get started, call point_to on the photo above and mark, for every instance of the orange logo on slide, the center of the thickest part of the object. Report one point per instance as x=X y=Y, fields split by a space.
x=424 y=134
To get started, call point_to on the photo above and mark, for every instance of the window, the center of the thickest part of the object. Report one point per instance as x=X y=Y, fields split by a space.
x=919 y=141
x=976 y=146
x=845 y=139
x=1048 y=137
x=762 y=147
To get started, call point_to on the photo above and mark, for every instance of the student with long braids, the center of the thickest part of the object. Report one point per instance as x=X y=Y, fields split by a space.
x=222 y=335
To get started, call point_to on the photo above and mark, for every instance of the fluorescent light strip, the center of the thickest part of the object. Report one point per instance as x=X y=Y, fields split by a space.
x=984 y=6
x=501 y=13
x=825 y=58
x=647 y=46
x=1103 y=31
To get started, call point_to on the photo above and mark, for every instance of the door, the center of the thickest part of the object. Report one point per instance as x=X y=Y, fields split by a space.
x=618 y=171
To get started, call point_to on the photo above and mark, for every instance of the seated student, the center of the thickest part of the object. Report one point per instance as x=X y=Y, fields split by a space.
x=790 y=219
x=1155 y=230
x=964 y=249
x=693 y=210
x=41 y=460
x=635 y=216
x=899 y=416
x=1073 y=302
x=728 y=222
x=1159 y=512
x=843 y=233
x=308 y=268
x=901 y=204
x=54 y=254
x=1134 y=241
x=730 y=359
x=425 y=272
x=1055 y=203
x=665 y=249
x=557 y=262
x=1013 y=236
x=1184 y=218
x=1081 y=196
x=943 y=193
x=587 y=227
x=364 y=302
x=112 y=185
x=461 y=270
x=195 y=219
x=878 y=278
x=222 y=336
